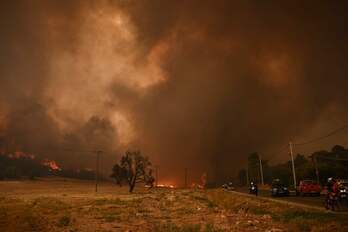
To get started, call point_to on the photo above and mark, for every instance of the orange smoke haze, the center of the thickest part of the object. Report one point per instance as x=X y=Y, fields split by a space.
x=192 y=84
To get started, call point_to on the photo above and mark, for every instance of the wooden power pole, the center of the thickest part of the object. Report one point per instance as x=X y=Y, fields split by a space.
x=97 y=171
x=185 y=177
x=247 y=174
x=315 y=161
x=156 y=173
x=261 y=170
x=293 y=164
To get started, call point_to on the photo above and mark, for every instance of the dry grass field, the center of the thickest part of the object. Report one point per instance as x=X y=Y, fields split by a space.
x=71 y=205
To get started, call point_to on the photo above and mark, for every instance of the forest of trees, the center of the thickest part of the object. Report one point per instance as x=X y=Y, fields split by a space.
x=318 y=166
x=15 y=168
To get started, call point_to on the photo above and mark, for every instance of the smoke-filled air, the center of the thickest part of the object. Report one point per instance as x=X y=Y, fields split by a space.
x=192 y=84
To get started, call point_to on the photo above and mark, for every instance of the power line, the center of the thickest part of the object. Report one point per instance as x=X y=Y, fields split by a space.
x=276 y=152
x=54 y=150
x=305 y=143
x=322 y=137
x=330 y=158
x=67 y=150
x=310 y=141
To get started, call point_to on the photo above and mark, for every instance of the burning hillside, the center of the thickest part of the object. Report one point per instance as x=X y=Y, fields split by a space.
x=23 y=165
x=20 y=154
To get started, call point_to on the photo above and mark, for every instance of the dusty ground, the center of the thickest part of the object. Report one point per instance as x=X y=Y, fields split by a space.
x=58 y=205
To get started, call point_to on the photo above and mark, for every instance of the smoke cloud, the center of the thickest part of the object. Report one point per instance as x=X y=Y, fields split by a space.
x=195 y=84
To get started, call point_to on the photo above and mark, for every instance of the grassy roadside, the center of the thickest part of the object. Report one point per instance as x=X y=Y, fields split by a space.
x=158 y=210
x=72 y=206
x=296 y=218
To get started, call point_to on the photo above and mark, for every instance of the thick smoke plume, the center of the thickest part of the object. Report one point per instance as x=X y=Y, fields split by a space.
x=196 y=84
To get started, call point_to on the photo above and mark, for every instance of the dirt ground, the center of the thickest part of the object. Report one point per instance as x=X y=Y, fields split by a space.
x=71 y=205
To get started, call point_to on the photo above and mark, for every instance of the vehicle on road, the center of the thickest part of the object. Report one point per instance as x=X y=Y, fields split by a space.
x=331 y=201
x=228 y=186
x=308 y=187
x=253 y=189
x=343 y=191
x=279 y=189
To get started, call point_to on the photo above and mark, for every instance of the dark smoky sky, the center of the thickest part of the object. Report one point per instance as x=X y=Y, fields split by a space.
x=196 y=84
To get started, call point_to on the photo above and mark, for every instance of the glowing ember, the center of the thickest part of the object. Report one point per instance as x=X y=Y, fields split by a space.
x=165 y=186
x=197 y=186
x=51 y=164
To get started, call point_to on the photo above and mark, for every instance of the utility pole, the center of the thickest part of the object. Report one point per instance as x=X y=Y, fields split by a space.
x=336 y=164
x=315 y=161
x=6 y=146
x=261 y=170
x=293 y=164
x=97 y=171
x=185 y=177
x=247 y=174
x=156 y=173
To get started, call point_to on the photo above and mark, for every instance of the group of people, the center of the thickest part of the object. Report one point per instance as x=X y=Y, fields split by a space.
x=331 y=200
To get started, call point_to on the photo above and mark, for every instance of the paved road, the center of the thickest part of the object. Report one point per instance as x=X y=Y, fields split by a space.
x=307 y=200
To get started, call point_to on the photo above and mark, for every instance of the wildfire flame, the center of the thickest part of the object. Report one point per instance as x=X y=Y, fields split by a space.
x=20 y=154
x=165 y=186
x=51 y=164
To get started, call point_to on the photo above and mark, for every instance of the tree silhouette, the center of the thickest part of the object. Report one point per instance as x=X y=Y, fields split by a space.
x=133 y=168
